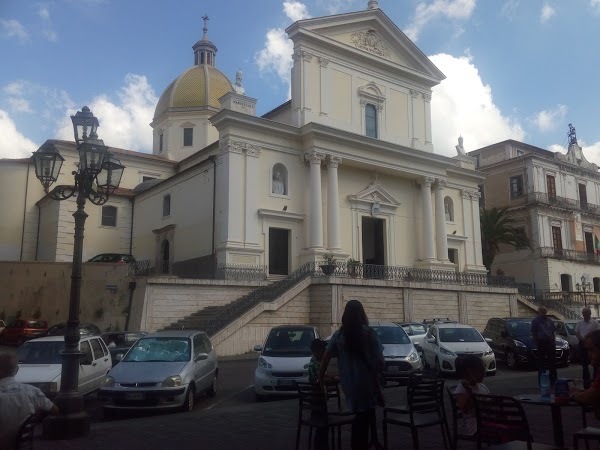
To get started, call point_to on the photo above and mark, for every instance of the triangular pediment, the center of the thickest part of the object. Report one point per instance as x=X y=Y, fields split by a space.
x=372 y=34
x=375 y=193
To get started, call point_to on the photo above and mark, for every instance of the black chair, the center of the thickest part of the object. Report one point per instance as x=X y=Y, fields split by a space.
x=313 y=412
x=502 y=421
x=424 y=408
x=26 y=432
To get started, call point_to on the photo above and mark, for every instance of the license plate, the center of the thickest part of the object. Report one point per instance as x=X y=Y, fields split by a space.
x=134 y=396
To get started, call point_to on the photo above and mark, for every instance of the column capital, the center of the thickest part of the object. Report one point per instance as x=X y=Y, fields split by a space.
x=314 y=157
x=471 y=194
x=426 y=96
x=440 y=184
x=414 y=93
x=427 y=181
x=323 y=61
x=333 y=161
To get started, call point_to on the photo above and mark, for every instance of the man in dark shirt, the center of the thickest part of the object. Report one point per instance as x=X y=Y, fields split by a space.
x=543 y=333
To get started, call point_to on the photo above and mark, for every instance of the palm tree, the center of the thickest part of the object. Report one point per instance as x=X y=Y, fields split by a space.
x=498 y=229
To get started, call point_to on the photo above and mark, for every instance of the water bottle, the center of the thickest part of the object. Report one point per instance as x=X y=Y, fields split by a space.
x=545 y=385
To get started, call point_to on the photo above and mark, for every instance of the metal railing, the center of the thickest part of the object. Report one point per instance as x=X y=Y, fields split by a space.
x=543 y=198
x=569 y=255
x=236 y=272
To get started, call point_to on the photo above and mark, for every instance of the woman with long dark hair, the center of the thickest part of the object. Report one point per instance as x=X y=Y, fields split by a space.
x=360 y=359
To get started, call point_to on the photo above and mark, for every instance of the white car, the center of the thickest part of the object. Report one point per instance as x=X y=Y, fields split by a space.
x=40 y=363
x=444 y=342
x=283 y=359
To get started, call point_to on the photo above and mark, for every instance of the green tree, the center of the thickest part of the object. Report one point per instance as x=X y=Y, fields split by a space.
x=498 y=229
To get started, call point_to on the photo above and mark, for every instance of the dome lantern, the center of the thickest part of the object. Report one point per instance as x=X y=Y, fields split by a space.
x=204 y=50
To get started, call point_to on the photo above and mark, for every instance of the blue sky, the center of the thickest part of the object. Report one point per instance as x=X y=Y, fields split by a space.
x=516 y=69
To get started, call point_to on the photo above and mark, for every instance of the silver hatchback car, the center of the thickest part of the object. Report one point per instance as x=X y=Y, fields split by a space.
x=401 y=356
x=162 y=370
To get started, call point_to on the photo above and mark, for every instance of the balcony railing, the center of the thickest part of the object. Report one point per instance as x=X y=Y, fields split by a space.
x=545 y=199
x=569 y=255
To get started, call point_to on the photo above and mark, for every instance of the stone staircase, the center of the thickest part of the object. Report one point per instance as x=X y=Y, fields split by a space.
x=555 y=307
x=213 y=319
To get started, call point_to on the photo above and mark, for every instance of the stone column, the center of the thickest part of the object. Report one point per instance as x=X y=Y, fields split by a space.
x=427 y=101
x=412 y=119
x=477 y=227
x=316 y=207
x=325 y=87
x=468 y=228
x=428 y=237
x=440 y=222
x=333 y=204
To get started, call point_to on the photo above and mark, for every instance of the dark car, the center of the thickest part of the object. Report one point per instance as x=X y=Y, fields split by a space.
x=511 y=340
x=85 y=329
x=115 y=258
x=21 y=330
x=121 y=341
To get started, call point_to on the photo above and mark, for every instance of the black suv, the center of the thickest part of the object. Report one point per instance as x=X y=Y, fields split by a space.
x=512 y=342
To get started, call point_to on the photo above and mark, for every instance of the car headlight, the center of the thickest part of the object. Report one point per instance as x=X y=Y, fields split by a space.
x=413 y=356
x=262 y=362
x=519 y=343
x=562 y=343
x=108 y=381
x=488 y=352
x=446 y=352
x=173 y=381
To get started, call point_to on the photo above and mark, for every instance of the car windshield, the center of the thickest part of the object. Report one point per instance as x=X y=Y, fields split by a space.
x=289 y=342
x=41 y=352
x=391 y=335
x=519 y=327
x=160 y=349
x=570 y=327
x=418 y=329
x=460 y=335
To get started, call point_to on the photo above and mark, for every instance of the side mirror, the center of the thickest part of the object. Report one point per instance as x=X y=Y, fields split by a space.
x=201 y=357
x=119 y=357
x=489 y=341
x=258 y=348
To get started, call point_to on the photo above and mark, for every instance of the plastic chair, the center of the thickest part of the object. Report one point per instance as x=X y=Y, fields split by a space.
x=457 y=415
x=313 y=412
x=424 y=408
x=586 y=434
x=26 y=432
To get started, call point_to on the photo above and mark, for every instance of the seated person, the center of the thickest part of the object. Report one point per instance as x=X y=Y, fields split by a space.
x=591 y=396
x=472 y=371
x=18 y=401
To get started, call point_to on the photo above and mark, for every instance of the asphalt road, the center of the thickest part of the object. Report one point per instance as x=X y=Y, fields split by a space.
x=237 y=377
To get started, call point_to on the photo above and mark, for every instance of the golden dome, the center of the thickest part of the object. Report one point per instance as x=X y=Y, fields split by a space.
x=198 y=87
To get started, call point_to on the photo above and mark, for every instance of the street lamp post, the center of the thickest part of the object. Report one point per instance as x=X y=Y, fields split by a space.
x=98 y=175
x=584 y=286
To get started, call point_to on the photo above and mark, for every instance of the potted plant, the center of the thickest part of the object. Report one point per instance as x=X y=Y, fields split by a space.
x=352 y=267
x=329 y=266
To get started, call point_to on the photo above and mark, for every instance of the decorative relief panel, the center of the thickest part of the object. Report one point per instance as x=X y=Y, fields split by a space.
x=233 y=146
x=370 y=42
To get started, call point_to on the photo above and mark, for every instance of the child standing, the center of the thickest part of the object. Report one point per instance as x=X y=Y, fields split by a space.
x=472 y=371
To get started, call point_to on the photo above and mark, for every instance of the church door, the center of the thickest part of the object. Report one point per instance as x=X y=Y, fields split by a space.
x=165 y=257
x=279 y=243
x=373 y=241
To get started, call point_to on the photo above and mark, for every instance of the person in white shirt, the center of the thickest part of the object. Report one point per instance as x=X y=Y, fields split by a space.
x=18 y=401
x=472 y=371
x=582 y=329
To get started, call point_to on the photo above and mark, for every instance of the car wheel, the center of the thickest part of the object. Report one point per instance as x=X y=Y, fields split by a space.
x=212 y=390
x=511 y=360
x=190 y=397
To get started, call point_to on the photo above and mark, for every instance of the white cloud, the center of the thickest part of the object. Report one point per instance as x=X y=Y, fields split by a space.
x=547 y=13
x=338 y=6
x=13 y=144
x=547 y=119
x=13 y=28
x=43 y=12
x=124 y=123
x=463 y=105
x=276 y=56
x=595 y=4
x=47 y=30
x=426 y=12
x=591 y=151
x=510 y=9
x=14 y=88
x=295 y=10
x=20 y=105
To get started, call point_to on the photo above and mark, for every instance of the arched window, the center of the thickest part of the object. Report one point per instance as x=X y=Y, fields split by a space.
x=164 y=256
x=449 y=209
x=279 y=180
x=370 y=120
